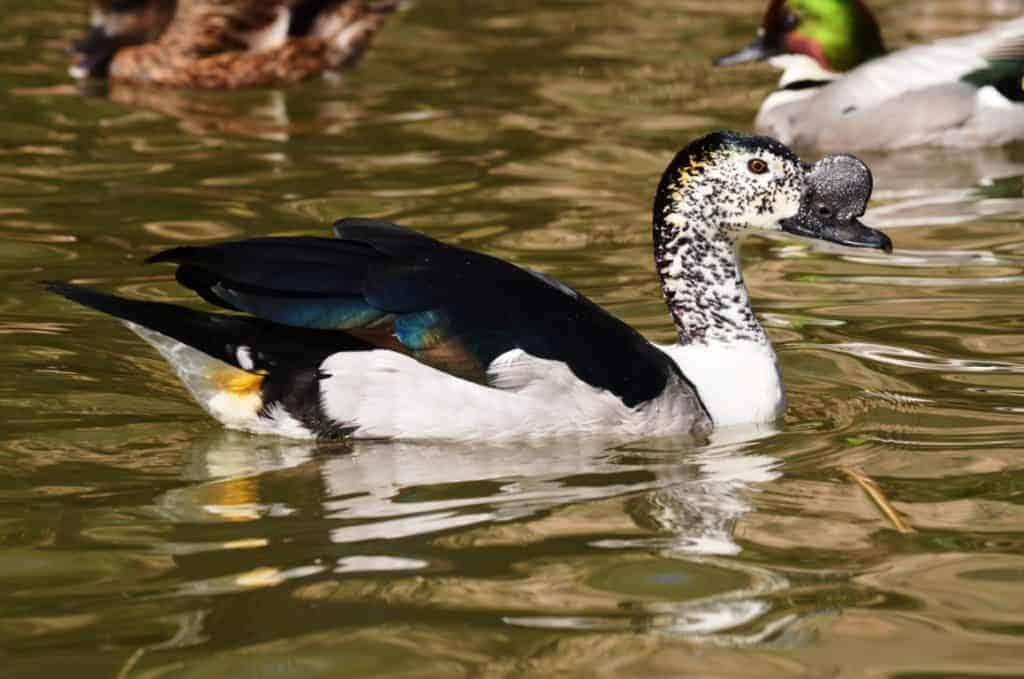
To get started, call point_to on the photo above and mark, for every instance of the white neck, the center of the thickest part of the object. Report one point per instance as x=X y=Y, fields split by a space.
x=800 y=68
x=797 y=68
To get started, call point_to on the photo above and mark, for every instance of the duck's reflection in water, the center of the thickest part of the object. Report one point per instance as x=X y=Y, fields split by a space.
x=393 y=490
x=701 y=500
x=922 y=186
x=267 y=114
x=433 y=510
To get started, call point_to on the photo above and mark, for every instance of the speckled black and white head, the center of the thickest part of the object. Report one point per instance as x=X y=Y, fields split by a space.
x=715 y=190
x=727 y=183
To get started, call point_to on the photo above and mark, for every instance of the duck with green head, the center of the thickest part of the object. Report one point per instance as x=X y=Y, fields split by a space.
x=841 y=89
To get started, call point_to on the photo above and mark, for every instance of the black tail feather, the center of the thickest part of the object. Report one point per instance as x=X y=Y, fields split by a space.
x=220 y=335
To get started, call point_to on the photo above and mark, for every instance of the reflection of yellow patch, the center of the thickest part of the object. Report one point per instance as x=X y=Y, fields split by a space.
x=260 y=577
x=234 y=492
x=239 y=382
x=232 y=499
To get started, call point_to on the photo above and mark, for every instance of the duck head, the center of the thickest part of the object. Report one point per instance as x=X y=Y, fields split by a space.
x=838 y=34
x=835 y=197
x=726 y=184
x=115 y=24
x=729 y=182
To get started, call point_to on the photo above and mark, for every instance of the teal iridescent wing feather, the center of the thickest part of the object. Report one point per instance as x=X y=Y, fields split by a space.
x=450 y=308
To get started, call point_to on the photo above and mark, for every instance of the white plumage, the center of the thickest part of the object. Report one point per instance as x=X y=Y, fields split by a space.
x=387 y=395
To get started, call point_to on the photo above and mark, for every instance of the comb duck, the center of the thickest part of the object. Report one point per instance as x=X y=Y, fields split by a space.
x=383 y=332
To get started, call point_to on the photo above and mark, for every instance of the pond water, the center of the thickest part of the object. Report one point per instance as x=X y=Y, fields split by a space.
x=138 y=539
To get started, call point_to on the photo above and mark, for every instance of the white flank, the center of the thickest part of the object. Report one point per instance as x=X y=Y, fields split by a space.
x=385 y=394
x=738 y=382
x=338 y=29
x=277 y=420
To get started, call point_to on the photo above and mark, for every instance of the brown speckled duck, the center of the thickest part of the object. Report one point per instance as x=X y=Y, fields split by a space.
x=224 y=44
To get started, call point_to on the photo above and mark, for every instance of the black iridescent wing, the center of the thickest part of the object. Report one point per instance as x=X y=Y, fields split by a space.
x=450 y=308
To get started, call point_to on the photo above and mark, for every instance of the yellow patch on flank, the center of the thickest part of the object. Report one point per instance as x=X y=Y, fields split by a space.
x=237 y=396
x=239 y=382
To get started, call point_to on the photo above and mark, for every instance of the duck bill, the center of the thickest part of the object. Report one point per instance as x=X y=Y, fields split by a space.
x=758 y=50
x=851 y=232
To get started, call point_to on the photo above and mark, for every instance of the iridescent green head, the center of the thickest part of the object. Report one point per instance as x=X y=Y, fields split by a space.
x=838 y=34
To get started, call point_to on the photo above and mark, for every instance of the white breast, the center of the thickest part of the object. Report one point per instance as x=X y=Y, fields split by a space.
x=738 y=382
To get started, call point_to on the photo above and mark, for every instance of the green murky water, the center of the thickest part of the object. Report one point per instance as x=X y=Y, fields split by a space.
x=138 y=539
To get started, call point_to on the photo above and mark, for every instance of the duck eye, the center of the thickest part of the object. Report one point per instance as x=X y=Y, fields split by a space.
x=757 y=166
x=789 y=22
x=824 y=211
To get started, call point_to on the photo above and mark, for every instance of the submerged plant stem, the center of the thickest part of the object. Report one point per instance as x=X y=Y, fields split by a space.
x=874 y=492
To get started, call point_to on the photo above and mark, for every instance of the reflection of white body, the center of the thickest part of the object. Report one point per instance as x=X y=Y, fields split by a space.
x=926 y=187
x=696 y=497
x=381 y=492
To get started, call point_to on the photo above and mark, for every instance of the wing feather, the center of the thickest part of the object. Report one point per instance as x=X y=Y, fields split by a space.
x=450 y=308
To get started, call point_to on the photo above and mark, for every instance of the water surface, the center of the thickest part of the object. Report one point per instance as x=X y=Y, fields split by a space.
x=139 y=539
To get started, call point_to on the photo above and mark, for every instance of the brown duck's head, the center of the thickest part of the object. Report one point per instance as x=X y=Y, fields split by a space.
x=115 y=24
